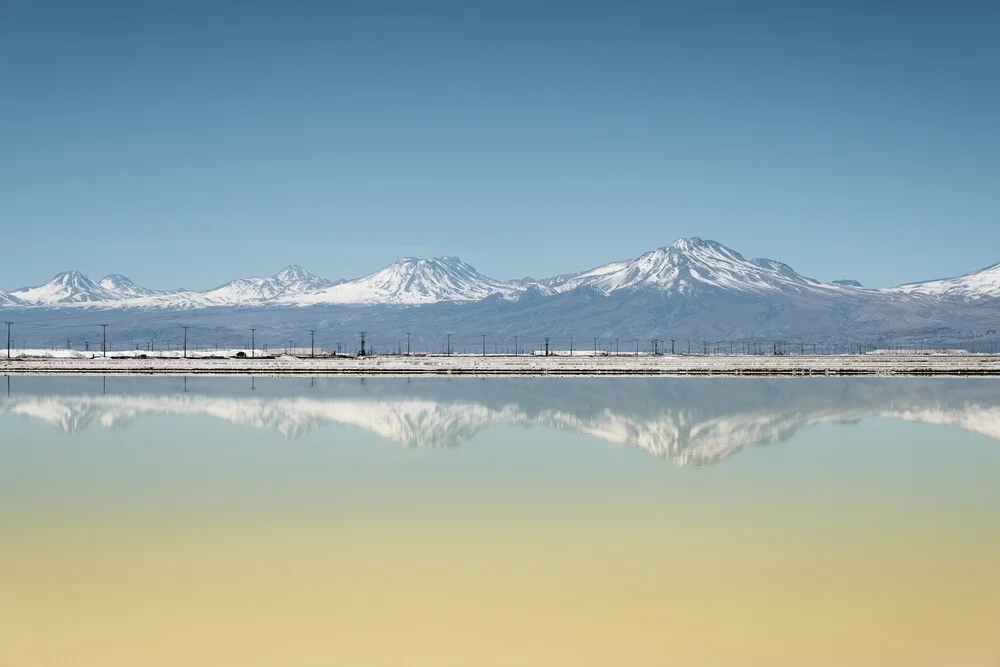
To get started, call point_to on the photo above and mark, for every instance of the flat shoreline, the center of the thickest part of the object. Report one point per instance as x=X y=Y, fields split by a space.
x=498 y=365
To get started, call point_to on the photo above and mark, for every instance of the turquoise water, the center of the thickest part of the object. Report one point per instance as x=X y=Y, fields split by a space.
x=239 y=521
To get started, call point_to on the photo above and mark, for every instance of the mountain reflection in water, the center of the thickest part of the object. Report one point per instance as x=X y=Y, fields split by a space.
x=691 y=421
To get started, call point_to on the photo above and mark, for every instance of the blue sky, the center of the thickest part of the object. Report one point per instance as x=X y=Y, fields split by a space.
x=187 y=143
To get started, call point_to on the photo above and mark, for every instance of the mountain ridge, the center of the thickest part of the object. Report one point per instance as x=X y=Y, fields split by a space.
x=688 y=267
x=696 y=291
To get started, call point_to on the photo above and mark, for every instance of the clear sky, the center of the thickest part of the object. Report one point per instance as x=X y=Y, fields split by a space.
x=188 y=143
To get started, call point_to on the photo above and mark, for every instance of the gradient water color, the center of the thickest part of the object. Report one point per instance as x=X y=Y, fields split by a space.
x=141 y=536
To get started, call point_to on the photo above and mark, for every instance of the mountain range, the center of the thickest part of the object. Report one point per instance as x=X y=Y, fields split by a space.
x=691 y=288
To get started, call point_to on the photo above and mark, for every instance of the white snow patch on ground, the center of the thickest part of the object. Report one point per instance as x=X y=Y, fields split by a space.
x=170 y=363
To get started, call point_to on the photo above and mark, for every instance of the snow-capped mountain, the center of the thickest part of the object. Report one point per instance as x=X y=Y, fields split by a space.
x=290 y=281
x=66 y=288
x=242 y=291
x=691 y=268
x=691 y=289
x=74 y=288
x=412 y=281
x=686 y=267
x=9 y=300
x=974 y=286
x=296 y=280
x=124 y=288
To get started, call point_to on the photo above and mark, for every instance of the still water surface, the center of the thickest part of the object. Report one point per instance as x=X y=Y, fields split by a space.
x=700 y=522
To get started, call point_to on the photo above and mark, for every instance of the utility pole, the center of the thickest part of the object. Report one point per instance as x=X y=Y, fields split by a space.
x=185 y=342
x=484 y=345
x=448 y=348
x=595 y=346
x=312 y=342
x=104 y=345
x=616 y=347
x=515 y=346
x=253 y=343
x=571 y=346
x=8 y=338
x=407 y=343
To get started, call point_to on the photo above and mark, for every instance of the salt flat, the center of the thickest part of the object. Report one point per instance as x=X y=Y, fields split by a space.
x=130 y=363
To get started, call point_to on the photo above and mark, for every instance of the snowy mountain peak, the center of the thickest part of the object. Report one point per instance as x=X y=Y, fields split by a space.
x=292 y=273
x=446 y=262
x=72 y=279
x=294 y=278
x=688 y=266
x=66 y=287
x=696 y=243
x=124 y=286
x=411 y=281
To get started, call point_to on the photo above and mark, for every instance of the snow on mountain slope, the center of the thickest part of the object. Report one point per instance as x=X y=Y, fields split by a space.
x=974 y=286
x=290 y=281
x=242 y=291
x=117 y=291
x=124 y=287
x=688 y=266
x=295 y=279
x=9 y=300
x=411 y=281
x=66 y=288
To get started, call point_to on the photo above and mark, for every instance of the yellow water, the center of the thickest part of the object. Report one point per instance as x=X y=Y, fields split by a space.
x=522 y=548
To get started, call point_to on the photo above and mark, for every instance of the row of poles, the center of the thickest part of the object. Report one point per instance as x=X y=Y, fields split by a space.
x=657 y=346
x=104 y=343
